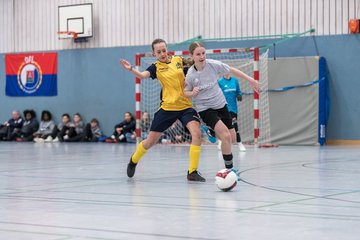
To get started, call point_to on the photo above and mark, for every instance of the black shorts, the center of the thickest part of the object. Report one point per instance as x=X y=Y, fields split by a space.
x=233 y=115
x=211 y=116
x=163 y=119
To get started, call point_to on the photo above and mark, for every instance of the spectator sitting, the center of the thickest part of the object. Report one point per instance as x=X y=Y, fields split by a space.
x=76 y=130
x=11 y=126
x=145 y=125
x=47 y=126
x=125 y=127
x=30 y=126
x=176 y=133
x=92 y=131
x=62 y=129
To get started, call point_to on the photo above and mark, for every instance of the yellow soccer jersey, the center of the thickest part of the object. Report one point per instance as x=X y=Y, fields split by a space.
x=172 y=80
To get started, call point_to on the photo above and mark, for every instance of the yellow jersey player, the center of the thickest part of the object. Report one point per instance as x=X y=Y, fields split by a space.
x=174 y=105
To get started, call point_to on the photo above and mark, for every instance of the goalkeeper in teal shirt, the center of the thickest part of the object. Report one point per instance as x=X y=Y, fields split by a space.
x=232 y=92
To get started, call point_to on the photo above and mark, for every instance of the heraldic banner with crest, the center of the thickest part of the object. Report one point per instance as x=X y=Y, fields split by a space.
x=31 y=74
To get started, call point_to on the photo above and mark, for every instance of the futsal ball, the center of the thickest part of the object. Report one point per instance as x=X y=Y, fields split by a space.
x=225 y=180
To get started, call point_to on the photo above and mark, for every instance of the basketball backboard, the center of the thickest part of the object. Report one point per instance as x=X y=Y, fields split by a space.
x=76 y=18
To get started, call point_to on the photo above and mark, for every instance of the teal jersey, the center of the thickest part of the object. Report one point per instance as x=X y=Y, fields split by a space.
x=231 y=89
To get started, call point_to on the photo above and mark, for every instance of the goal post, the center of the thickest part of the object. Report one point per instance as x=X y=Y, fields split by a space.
x=253 y=110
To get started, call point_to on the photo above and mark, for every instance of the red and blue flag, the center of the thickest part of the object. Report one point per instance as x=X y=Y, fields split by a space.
x=31 y=74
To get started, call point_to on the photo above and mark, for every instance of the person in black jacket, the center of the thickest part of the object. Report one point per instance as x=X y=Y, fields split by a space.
x=12 y=125
x=30 y=126
x=76 y=129
x=124 y=128
x=92 y=131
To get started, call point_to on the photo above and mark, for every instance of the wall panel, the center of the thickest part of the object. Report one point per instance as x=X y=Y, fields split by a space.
x=31 y=25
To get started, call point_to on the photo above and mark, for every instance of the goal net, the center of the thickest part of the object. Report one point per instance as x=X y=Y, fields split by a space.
x=253 y=110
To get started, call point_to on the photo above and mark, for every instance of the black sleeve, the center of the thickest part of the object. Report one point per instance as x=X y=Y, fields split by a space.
x=130 y=127
x=34 y=125
x=120 y=125
x=19 y=124
x=152 y=70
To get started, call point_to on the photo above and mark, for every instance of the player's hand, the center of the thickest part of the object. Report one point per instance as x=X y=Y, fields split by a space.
x=239 y=98
x=195 y=91
x=126 y=64
x=255 y=85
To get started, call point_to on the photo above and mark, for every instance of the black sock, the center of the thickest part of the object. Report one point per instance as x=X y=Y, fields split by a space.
x=238 y=138
x=228 y=159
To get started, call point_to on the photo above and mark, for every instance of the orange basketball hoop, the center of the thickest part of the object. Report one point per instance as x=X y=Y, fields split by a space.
x=74 y=34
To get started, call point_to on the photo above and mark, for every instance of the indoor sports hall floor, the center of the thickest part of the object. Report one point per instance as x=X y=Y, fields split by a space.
x=80 y=191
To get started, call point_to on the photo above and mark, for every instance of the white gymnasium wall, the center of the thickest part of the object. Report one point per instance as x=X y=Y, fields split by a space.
x=31 y=25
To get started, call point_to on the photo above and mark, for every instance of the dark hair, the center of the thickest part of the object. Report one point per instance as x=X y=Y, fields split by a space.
x=94 y=120
x=132 y=116
x=195 y=45
x=78 y=114
x=31 y=112
x=156 y=41
x=66 y=115
x=47 y=113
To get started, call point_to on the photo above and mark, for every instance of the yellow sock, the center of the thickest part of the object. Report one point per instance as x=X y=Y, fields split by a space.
x=194 y=154
x=140 y=151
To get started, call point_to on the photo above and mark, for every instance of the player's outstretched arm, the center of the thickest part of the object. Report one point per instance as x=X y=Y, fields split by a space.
x=125 y=64
x=237 y=73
